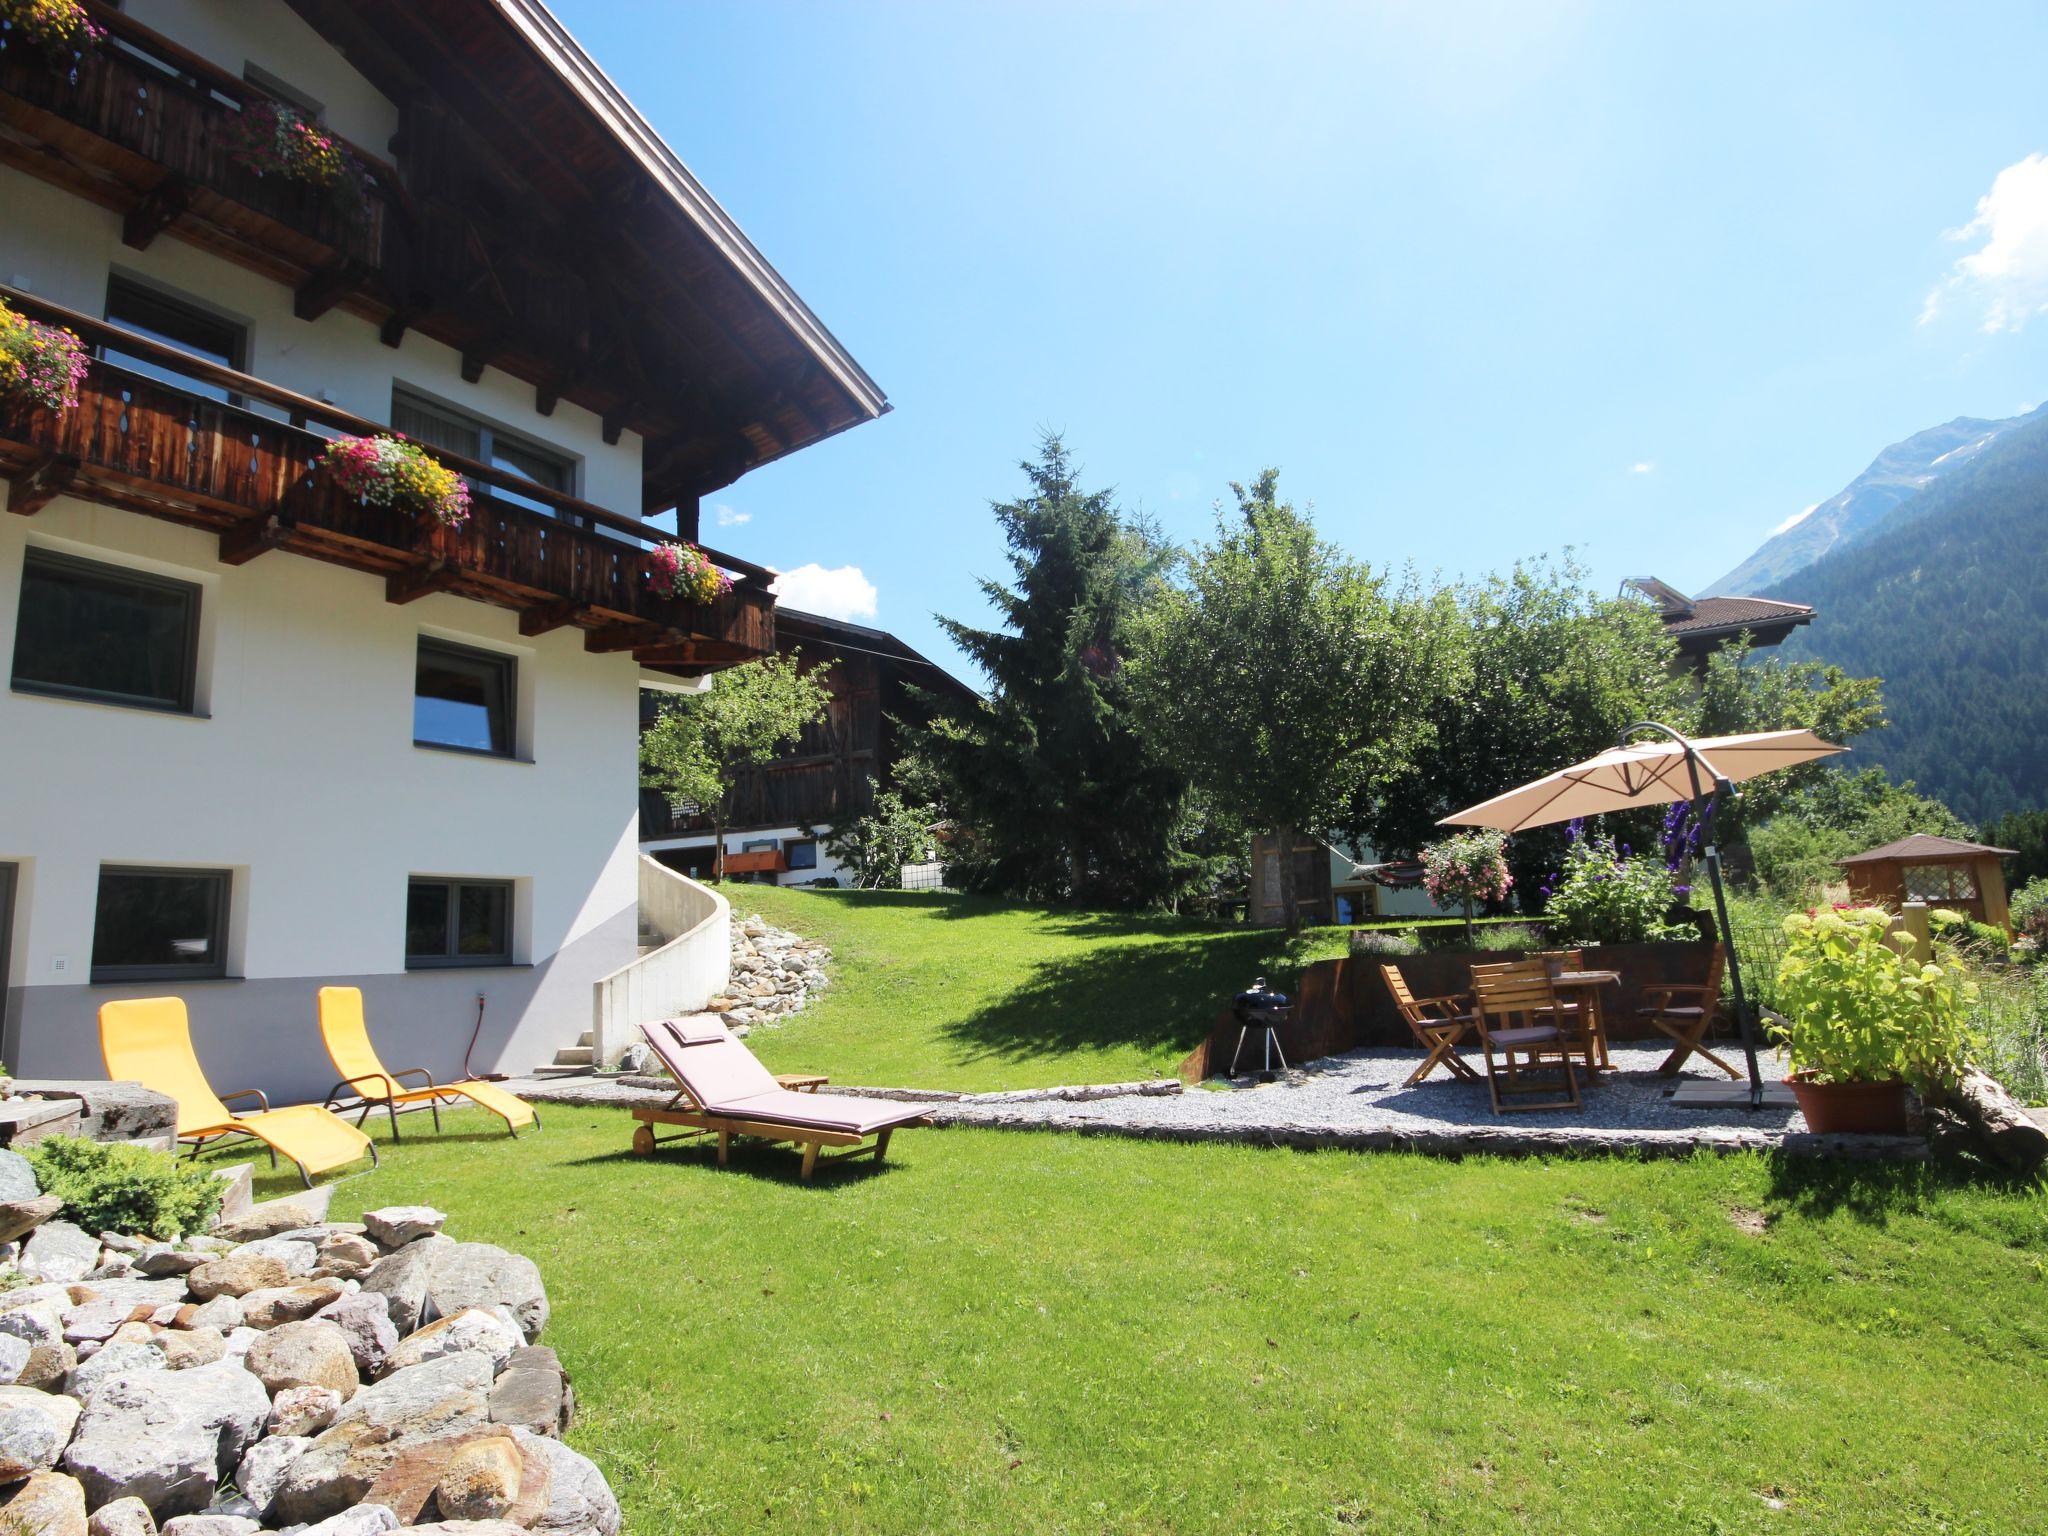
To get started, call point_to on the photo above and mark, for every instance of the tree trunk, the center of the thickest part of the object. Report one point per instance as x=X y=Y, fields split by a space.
x=1470 y=941
x=1290 y=881
x=718 y=843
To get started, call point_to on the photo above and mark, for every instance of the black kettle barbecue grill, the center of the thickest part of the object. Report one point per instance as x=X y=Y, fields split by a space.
x=1263 y=1010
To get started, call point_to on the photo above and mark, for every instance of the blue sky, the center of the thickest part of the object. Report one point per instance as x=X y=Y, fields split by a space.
x=1484 y=280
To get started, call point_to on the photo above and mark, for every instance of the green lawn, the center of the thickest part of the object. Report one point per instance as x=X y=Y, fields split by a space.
x=944 y=991
x=1004 y=1332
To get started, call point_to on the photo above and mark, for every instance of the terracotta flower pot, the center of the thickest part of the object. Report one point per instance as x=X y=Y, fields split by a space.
x=1868 y=1109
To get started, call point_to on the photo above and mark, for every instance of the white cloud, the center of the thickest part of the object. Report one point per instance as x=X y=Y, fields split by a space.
x=1794 y=520
x=1641 y=467
x=2006 y=277
x=842 y=592
x=729 y=517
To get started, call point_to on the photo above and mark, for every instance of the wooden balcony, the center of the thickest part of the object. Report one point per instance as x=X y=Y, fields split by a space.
x=249 y=471
x=143 y=126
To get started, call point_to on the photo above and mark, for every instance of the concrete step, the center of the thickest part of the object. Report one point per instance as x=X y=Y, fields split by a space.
x=558 y=1070
x=588 y=1037
x=574 y=1056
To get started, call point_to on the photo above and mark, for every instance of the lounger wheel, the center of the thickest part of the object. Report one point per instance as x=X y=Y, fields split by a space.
x=643 y=1141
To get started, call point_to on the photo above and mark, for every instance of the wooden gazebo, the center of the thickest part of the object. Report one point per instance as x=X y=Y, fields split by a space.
x=1941 y=871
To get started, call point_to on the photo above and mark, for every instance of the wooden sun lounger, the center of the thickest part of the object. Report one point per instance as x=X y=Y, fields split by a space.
x=723 y=1091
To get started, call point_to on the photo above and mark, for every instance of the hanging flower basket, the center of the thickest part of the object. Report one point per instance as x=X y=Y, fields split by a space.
x=272 y=139
x=391 y=472
x=685 y=571
x=60 y=29
x=43 y=363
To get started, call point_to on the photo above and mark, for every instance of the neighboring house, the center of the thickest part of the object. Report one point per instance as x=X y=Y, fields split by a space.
x=1702 y=625
x=779 y=811
x=262 y=736
x=1335 y=885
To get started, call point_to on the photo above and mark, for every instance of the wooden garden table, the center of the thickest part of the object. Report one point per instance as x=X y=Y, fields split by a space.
x=1584 y=988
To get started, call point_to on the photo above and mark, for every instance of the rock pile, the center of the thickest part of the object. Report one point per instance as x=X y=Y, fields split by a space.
x=283 y=1373
x=774 y=973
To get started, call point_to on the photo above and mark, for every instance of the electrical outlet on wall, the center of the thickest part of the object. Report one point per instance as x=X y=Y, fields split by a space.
x=60 y=963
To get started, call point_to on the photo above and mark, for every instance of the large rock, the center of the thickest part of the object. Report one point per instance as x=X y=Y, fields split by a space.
x=183 y=1347
x=410 y=1483
x=34 y=1429
x=274 y=1216
x=396 y=1225
x=262 y=1471
x=468 y=1528
x=403 y=1277
x=20 y=1217
x=170 y=1259
x=489 y=1330
x=481 y=1480
x=48 y=1367
x=59 y=1252
x=269 y=1307
x=296 y=1257
x=347 y=1255
x=213 y=1525
x=17 y=1177
x=2001 y=1122
x=123 y=1517
x=111 y=1111
x=236 y=1274
x=36 y=1314
x=579 y=1500
x=365 y=1317
x=303 y=1411
x=483 y=1275
x=304 y=1355
x=14 y=1353
x=379 y=1426
x=531 y=1397
x=223 y=1312
x=125 y=1358
x=167 y=1437
x=48 y=1504
x=96 y=1320
x=363 y=1520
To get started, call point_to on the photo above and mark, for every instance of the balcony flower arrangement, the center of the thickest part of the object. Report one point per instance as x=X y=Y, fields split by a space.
x=1467 y=868
x=685 y=571
x=272 y=139
x=1860 y=1021
x=59 y=28
x=391 y=472
x=42 y=363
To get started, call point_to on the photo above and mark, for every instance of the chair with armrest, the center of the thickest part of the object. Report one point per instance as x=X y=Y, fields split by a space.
x=1437 y=1023
x=365 y=1080
x=1519 y=1030
x=1687 y=1011
x=148 y=1040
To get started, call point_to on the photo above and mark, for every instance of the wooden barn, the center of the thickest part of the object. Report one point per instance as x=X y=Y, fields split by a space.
x=876 y=681
x=1941 y=871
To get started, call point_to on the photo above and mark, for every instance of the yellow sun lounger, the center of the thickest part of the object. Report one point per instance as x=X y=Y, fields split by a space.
x=148 y=1040
x=364 y=1079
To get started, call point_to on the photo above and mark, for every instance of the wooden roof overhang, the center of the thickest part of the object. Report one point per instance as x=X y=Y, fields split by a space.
x=532 y=220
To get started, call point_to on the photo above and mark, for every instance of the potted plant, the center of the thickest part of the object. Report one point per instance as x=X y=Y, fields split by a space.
x=42 y=363
x=389 y=471
x=1860 y=1021
x=685 y=571
x=1472 y=866
x=61 y=29
x=268 y=138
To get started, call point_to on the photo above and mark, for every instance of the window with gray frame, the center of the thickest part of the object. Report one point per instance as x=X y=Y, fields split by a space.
x=441 y=426
x=463 y=699
x=160 y=924
x=457 y=922
x=86 y=630
x=176 y=323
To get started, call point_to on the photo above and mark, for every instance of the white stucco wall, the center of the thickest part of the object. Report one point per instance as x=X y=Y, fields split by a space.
x=303 y=780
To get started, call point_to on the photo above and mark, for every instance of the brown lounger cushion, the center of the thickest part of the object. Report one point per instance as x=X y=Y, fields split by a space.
x=724 y=1077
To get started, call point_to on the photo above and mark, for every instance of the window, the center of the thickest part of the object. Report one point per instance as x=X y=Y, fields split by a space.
x=175 y=323
x=440 y=426
x=93 y=631
x=1939 y=882
x=160 y=924
x=462 y=699
x=801 y=854
x=458 y=922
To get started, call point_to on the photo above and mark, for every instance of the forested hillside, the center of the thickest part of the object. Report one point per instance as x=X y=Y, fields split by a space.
x=1948 y=601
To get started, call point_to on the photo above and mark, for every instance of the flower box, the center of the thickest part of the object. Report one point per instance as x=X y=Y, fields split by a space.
x=686 y=572
x=389 y=471
x=42 y=363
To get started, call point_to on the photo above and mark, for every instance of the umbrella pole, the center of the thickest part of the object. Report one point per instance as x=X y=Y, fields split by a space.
x=1713 y=858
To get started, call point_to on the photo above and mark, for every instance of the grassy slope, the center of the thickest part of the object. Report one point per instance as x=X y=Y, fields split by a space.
x=942 y=991
x=1009 y=1332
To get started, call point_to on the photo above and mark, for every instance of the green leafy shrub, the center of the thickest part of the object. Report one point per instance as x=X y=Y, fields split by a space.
x=1605 y=896
x=2029 y=909
x=1854 y=1009
x=113 y=1187
x=1507 y=936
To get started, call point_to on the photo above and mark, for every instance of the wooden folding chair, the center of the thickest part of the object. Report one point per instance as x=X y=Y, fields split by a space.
x=1518 y=1025
x=1438 y=1025
x=1687 y=1022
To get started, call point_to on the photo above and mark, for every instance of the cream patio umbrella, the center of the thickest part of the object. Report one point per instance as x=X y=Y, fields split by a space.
x=1633 y=774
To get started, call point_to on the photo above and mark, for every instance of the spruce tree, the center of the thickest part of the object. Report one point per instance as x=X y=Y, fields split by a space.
x=1053 y=791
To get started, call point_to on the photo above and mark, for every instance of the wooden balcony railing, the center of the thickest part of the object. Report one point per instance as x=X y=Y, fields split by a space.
x=155 y=119
x=169 y=451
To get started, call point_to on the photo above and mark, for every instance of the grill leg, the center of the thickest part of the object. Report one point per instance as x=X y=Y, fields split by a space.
x=1240 y=1048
